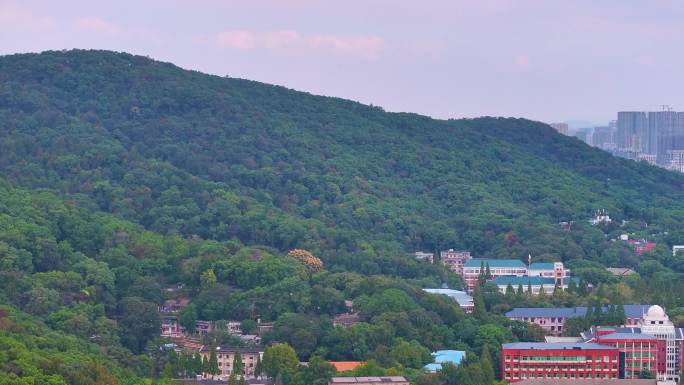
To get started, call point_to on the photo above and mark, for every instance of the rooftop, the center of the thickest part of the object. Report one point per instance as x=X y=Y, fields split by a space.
x=229 y=349
x=555 y=346
x=627 y=336
x=631 y=311
x=583 y=381
x=343 y=366
x=460 y=296
x=541 y=266
x=355 y=380
x=477 y=262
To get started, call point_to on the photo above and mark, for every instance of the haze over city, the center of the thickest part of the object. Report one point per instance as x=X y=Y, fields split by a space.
x=578 y=61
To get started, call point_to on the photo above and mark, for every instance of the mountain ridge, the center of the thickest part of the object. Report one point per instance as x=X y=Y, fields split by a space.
x=278 y=148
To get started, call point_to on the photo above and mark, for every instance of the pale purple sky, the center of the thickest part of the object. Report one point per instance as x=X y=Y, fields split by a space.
x=541 y=59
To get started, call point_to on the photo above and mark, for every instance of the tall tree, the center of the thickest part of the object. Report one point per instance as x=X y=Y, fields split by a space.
x=213 y=363
x=280 y=360
x=238 y=366
x=486 y=366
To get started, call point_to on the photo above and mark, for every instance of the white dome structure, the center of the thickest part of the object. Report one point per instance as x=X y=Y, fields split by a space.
x=656 y=311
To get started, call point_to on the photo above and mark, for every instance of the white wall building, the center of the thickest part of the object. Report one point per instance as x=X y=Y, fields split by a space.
x=656 y=323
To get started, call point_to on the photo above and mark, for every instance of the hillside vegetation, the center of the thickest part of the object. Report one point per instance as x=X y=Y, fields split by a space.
x=123 y=177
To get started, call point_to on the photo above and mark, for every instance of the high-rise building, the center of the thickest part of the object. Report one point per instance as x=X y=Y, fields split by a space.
x=632 y=127
x=560 y=127
x=602 y=136
x=663 y=133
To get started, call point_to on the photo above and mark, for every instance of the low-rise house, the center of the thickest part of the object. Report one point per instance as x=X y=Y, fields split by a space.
x=392 y=380
x=349 y=304
x=346 y=319
x=225 y=356
x=676 y=249
x=250 y=338
x=455 y=259
x=345 y=366
x=461 y=297
x=263 y=327
x=173 y=306
x=234 y=327
x=204 y=327
x=170 y=327
x=641 y=246
x=443 y=356
x=600 y=218
x=421 y=256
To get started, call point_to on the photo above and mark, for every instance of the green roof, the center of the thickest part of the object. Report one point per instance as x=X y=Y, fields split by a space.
x=477 y=262
x=541 y=266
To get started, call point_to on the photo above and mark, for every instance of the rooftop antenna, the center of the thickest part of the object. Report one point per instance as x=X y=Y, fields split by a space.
x=666 y=107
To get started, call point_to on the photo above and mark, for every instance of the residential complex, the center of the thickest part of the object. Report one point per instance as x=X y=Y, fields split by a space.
x=226 y=356
x=170 y=327
x=455 y=259
x=656 y=137
x=523 y=360
x=562 y=128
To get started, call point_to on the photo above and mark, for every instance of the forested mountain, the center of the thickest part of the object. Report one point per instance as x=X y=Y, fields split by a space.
x=122 y=177
x=181 y=152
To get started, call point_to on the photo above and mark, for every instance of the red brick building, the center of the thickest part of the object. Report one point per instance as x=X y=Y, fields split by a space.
x=529 y=360
x=642 y=352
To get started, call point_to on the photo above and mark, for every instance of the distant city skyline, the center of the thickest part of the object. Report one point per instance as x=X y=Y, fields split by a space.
x=572 y=61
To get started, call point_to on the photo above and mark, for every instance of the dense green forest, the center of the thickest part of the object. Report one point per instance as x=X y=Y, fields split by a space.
x=122 y=176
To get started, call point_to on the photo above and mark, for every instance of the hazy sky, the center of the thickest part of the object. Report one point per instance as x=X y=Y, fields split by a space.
x=542 y=59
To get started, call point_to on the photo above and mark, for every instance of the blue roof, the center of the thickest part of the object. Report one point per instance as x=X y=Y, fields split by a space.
x=459 y=296
x=477 y=262
x=627 y=336
x=514 y=281
x=443 y=356
x=631 y=311
x=541 y=266
x=555 y=346
x=453 y=356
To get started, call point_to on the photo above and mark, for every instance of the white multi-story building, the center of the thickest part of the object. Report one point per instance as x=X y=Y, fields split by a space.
x=676 y=249
x=497 y=268
x=656 y=323
x=554 y=270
